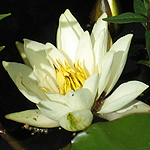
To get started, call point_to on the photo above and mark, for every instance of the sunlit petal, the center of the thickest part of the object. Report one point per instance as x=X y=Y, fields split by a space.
x=20 y=47
x=92 y=83
x=105 y=72
x=77 y=120
x=85 y=54
x=53 y=110
x=121 y=44
x=73 y=23
x=33 y=45
x=56 y=55
x=67 y=37
x=20 y=75
x=46 y=82
x=100 y=46
x=40 y=62
x=123 y=95
x=98 y=26
x=132 y=108
x=32 y=117
x=79 y=99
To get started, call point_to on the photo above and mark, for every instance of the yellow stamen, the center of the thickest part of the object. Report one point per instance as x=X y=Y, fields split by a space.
x=69 y=78
x=45 y=89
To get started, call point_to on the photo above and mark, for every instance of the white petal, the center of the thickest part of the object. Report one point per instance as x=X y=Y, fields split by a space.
x=32 y=117
x=79 y=99
x=105 y=72
x=57 y=98
x=85 y=54
x=20 y=48
x=67 y=37
x=33 y=45
x=132 y=108
x=49 y=83
x=92 y=83
x=121 y=44
x=53 y=110
x=29 y=89
x=77 y=120
x=40 y=62
x=74 y=23
x=100 y=46
x=123 y=95
x=25 y=81
x=116 y=71
x=14 y=69
x=55 y=55
x=98 y=26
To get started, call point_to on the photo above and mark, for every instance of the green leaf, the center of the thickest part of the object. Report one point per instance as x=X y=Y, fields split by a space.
x=2 y=47
x=4 y=15
x=128 y=133
x=146 y=4
x=144 y=62
x=127 y=18
x=139 y=7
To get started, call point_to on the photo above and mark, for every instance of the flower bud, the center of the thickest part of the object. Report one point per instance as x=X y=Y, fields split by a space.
x=111 y=7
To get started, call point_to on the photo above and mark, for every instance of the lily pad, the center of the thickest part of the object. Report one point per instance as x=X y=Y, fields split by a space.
x=127 y=133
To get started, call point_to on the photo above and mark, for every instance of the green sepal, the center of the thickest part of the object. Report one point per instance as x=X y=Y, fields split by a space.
x=128 y=17
x=128 y=133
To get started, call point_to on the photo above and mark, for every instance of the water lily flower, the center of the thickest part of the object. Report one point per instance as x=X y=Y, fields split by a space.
x=65 y=82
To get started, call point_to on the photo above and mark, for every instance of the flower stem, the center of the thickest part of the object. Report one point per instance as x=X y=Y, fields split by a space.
x=98 y=103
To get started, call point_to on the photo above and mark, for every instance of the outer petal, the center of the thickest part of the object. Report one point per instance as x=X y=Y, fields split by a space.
x=77 y=120
x=33 y=117
x=68 y=34
x=30 y=90
x=133 y=107
x=53 y=110
x=20 y=48
x=123 y=95
x=98 y=27
x=33 y=45
x=85 y=54
x=121 y=44
x=79 y=99
x=25 y=81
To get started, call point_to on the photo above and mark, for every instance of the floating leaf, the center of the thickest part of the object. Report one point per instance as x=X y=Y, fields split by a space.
x=4 y=15
x=127 y=18
x=127 y=133
x=139 y=7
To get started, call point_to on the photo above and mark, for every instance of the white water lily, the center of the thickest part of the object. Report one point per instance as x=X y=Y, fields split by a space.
x=66 y=82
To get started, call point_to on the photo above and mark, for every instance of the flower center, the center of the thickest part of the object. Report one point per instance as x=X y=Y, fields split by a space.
x=69 y=78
